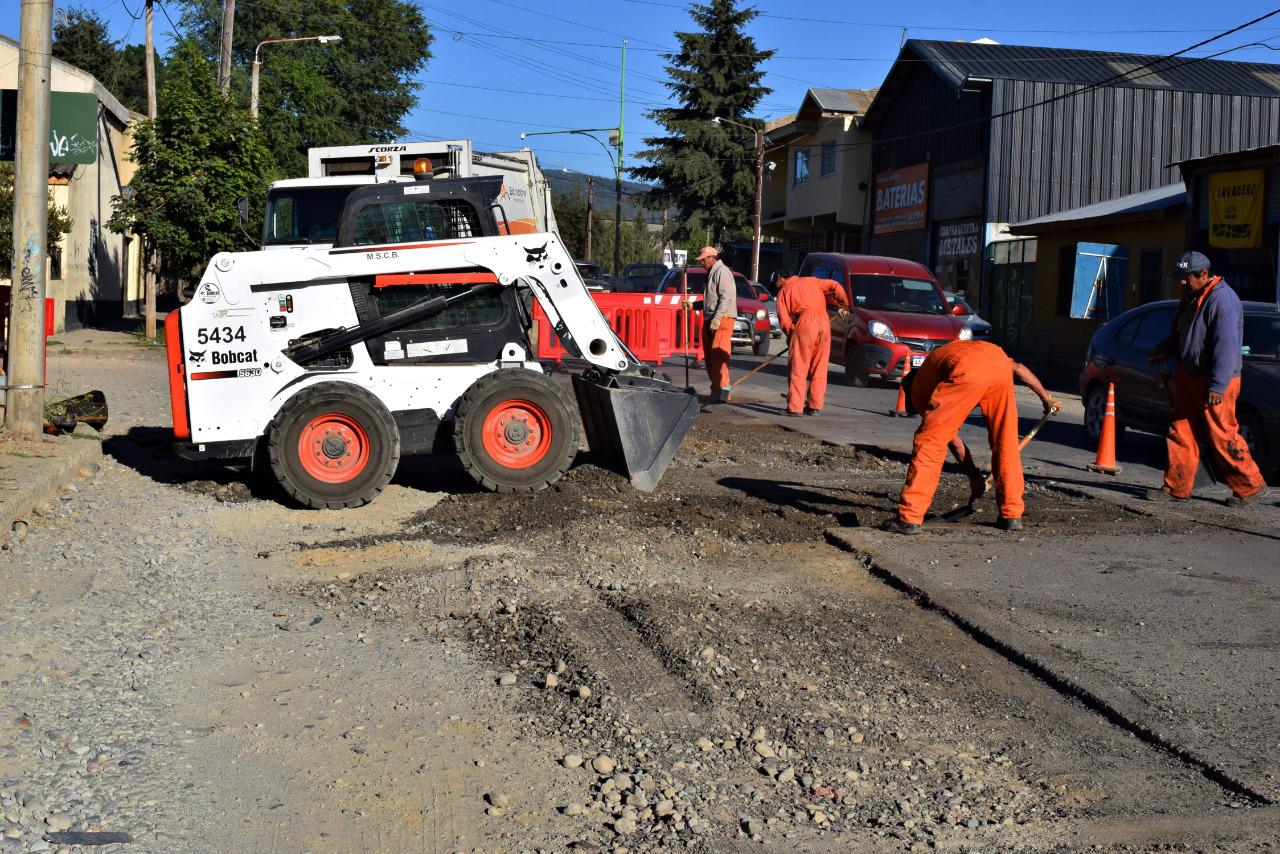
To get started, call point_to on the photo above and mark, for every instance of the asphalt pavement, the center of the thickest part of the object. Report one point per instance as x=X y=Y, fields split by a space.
x=1167 y=620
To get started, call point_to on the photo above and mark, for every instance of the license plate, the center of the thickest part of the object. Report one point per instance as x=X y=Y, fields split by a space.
x=917 y=361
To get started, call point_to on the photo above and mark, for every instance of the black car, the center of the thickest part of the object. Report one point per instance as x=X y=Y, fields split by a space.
x=640 y=278
x=1118 y=354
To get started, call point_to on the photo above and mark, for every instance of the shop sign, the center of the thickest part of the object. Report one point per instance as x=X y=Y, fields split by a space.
x=959 y=238
x=1235 y=209
x=73 y=126
x=902 y=199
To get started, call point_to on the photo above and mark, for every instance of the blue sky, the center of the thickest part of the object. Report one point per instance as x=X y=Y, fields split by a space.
x=503 y=66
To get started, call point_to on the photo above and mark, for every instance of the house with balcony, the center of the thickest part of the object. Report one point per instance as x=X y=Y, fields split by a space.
x=817 y=164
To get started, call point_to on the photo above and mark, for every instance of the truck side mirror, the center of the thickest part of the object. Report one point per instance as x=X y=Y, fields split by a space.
x=242 y=208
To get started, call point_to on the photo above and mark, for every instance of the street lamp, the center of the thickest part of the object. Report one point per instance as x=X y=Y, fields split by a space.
x=257 y=64
x=755 y=239
x=616 y=134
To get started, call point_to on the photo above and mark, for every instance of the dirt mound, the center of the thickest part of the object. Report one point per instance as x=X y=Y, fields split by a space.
x=228 y=492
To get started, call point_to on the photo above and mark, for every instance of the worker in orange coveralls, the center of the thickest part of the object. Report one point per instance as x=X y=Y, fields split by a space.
x=802 y=314
x=1207 y=334
x=719 y=311
x=944 y=390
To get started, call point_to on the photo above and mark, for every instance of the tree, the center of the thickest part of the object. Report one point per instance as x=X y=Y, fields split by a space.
x=706 y=171
x=59 y=223
x=356 y=91
x=80 y=38
x=195 y=160
x=571 y=219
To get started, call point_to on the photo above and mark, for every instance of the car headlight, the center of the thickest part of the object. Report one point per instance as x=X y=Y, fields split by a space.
x=883 y=332
x=965 y=333
x=761 y=314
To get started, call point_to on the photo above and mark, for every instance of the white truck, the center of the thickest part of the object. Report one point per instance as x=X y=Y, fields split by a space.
x=305 y=211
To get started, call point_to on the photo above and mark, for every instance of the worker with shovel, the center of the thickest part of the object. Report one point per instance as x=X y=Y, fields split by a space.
x=802 y=314
x=719 y=311
x=1206 y=340
x=944 y=390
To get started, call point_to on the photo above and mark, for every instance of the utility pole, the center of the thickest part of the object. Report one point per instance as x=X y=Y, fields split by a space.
x=224 y=65
x=617 y=181
x=591 y=182
x=148 y=258
x=25 y=416
x=755 y=237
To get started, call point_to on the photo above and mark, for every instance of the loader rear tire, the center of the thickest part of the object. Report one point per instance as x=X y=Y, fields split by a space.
x=516 y=430
x=333 y=445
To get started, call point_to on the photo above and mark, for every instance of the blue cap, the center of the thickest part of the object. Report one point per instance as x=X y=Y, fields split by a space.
x=1192 y=262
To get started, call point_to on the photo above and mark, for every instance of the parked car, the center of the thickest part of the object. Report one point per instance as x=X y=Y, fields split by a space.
x=1118 y=354
x=640 y=278
x=897 y=315
x=979 y=327
x=752 y=325
x=771 y=306
x=589 y=270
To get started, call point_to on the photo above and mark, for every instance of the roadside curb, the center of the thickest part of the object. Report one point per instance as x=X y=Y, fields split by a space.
x=37 y=472
x=1034 y=655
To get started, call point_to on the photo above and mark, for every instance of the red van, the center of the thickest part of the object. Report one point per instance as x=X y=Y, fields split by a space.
x=898 y=314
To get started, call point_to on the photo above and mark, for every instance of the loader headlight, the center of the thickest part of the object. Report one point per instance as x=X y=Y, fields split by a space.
x=882 y=331
x=965 y=333
x=761 y=314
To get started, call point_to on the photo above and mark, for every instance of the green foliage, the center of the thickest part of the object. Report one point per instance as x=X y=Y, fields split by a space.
x=707 y=171
x=59 y=222
x=640 y=244
x=80 y=38
x=358 y=90
x=198 y=157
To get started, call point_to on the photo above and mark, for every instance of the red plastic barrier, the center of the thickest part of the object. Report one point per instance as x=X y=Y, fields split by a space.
x=651 y=325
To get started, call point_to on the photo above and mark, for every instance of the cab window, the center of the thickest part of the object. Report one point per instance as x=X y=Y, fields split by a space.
x=415 y=220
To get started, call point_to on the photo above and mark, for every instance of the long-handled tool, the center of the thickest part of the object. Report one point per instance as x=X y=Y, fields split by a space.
x=760 y=366
x=969 y=509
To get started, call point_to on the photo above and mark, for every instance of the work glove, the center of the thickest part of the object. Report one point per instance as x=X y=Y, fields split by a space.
x=842 y=312
x=715 y=323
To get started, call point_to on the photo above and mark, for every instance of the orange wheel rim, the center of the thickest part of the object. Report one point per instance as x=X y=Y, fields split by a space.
x=333 y=448
x=517 y=434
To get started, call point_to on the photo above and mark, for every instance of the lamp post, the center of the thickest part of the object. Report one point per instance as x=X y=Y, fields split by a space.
x=755 y=238
x=616 y=133
x=257 y=63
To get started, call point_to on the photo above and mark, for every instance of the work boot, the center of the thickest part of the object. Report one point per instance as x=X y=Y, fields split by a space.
x=1009 y=524
x=1242 y=500
x=1163 y=494
x=722 y=396
x=894 y=525
x=809 y=410
x=791 y=414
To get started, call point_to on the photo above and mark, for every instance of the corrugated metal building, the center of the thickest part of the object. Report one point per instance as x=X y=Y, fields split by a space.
x=1003 y=133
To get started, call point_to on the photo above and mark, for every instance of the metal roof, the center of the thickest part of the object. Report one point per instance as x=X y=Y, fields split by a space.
x=959 y=62
x=841 y=100
x=1146 y=202
x=1194 y=164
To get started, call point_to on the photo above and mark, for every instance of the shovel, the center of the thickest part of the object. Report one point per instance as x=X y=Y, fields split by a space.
x=89 y=408
x=969 y=509
x=758 y=367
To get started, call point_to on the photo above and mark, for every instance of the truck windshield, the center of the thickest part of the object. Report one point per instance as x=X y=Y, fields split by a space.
x=303 y=214
x=1261 y=336
x=892 y=293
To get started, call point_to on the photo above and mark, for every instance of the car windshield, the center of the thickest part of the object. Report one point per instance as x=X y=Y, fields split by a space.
x=893 y=293
x=1261 y=336
x=303 y=214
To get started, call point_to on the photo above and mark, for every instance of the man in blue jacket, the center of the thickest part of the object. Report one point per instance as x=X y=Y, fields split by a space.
x=1207 y=334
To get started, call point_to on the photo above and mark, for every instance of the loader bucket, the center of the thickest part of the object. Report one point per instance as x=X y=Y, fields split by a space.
x=634 y=424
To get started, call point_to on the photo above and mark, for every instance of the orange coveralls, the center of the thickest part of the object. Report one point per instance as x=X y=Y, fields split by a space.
x=716 y=346
x=1195 y=421
x=952 y=381
x=802 y=314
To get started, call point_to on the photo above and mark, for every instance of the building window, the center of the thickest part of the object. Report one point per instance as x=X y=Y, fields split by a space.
x=802 y=165
x=1066 y=278
x=55 y=262
x=828 y=158
x=1151 y=275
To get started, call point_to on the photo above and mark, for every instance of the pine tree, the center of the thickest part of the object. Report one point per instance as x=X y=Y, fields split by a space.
x=706 y=171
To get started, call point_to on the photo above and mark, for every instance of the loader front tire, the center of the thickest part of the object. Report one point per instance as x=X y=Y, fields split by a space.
x=516 y=430
x=333 y=445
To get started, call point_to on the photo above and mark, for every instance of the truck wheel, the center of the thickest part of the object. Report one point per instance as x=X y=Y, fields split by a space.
x=1255 y=437
x=854 y=375
x=333 y=445
x=516 y=430
x=760 y=346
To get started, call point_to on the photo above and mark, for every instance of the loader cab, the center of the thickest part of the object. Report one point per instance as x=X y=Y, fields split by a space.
x=382 y=219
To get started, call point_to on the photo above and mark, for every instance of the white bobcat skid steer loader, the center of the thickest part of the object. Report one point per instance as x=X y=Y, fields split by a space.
x=331 y=363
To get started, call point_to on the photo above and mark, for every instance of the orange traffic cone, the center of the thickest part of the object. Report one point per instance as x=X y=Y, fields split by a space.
x=1105 y=461
x=900 y=410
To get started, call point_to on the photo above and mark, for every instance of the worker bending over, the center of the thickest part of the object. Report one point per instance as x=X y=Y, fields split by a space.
x=802 y=314
x=944 y=390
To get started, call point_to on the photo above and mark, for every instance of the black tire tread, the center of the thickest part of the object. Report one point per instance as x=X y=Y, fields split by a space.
x=320 y=393
x=477 y=392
